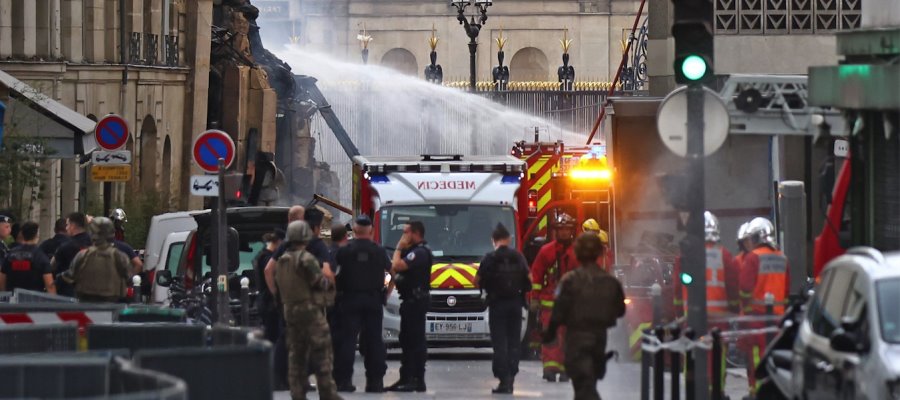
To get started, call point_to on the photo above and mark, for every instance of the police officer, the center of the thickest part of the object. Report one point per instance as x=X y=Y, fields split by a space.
x=299 y=283
x=358 y=313
x=79 y=239
x=589 y=302
x=59 y=238
x=503 y=274
x=100 y=273
x=26 y=266
x=411 y=265
x=5 y=232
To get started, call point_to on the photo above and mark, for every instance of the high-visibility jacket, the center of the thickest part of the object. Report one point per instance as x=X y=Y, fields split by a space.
x=765 y=270
x=553 y=260
x=722 y=273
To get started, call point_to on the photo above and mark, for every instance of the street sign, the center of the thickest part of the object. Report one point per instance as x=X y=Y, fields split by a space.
x=111 y=132
x=111 y=173
x=210 y=146
x=204 y=185
x=671 y=121
x=101 y=157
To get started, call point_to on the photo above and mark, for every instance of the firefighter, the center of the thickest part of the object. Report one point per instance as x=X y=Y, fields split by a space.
x=590 y=225
x=722 y=274
x=589 y=302
x=764 y=272
x=553 y=261
x=119 y=219
x=742 y=243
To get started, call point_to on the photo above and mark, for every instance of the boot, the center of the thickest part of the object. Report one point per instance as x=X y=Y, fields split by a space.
x=374 y=386
x=346 y=387
x=413 y=385
x=563 y=377
x=549 y=376
x=400 y=382
x=505 y=387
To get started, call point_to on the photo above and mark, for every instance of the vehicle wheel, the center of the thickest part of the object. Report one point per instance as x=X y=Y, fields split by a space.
x=768 y=390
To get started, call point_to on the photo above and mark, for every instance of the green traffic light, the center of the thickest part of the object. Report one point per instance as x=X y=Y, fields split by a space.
x=693 y=67
x=686 y=278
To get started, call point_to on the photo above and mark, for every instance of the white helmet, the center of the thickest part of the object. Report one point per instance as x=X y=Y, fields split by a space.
x=711 y=227
x=761 y=231
x=742 y=231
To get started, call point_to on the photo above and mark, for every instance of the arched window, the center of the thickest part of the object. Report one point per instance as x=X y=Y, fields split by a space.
x=401 y=60
x=529 y=64
x=148 y=154
x=166 y=178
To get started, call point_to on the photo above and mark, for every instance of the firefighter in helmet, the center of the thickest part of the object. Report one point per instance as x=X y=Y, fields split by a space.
x=742 y=243
x=119 y=219
x=722 y=274
x=764 y=273
x=591 y=225
x=553 y=261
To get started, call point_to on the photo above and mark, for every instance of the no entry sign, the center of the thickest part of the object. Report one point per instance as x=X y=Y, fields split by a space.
x=210 y=146
x=111 y=132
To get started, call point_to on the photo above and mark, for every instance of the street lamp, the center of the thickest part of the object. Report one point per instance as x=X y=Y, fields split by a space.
x=472 y=28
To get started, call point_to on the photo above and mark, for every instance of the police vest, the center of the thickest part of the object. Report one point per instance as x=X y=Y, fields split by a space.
x=418 y=276
x=771 y=278
x=716 y=297
x=362 y=265
x=20 y=261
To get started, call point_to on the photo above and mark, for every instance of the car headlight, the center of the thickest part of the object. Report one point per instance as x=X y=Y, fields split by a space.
x=894 y=389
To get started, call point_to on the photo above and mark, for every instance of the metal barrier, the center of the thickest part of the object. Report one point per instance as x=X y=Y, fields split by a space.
x=86 y=376
x=227 y=336
x=228 y=372
x=17 y=339
x=146 y=313
x=23 y=296
x=141 y=336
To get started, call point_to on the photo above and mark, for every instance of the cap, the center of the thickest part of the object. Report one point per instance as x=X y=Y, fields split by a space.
x=362 y=220
x=6 y=219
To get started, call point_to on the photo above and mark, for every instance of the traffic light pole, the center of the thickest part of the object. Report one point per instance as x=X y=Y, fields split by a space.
x=693 y=248
x=220 y=290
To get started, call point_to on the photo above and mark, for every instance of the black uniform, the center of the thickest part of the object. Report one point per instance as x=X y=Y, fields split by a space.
x=503 y=274
x=413 y=285
x=265 y=302
x=50 y=246
x=63 y=259
x=25 y=267
x=358 y=310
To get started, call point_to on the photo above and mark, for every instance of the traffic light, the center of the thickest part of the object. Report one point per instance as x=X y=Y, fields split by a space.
x=234 y=188
x=686 y=278
x=693 y=34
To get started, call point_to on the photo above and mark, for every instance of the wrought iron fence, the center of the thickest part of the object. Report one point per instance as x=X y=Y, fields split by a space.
x=171 y=50
x=151 y=48
x=134 y=48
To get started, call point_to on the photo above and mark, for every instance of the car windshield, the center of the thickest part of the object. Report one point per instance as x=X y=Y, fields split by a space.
x=247 y=255
x=453 y=231
x=888 y=292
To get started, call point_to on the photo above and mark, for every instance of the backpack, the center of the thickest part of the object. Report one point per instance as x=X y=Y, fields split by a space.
x=508 y=277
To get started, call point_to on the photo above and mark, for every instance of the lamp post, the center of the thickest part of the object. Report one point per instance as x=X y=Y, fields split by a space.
x=473 y=28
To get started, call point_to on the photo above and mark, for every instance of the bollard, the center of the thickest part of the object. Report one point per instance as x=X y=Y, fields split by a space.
x=645 y=371
x=770 y=311
x=689 y=372
x=676 y=366
x=656 y=294
x=659 y=366
x=136 y=289
x=245 y=301
x=717 y=373
x=792 y=208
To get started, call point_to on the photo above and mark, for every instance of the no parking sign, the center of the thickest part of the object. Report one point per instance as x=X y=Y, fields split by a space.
x=210 y=146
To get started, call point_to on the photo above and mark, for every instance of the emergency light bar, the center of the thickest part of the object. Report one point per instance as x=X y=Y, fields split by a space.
x=488 y=164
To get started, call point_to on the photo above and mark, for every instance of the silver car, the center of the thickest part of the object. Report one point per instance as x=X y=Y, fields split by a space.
x=848 y=346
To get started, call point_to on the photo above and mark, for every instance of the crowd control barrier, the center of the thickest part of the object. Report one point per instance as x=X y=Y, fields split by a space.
x=17 y=339
x=84 y=376
x=22 y=296
x=141 y=336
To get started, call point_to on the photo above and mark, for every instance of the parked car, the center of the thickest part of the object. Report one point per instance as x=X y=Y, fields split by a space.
x=848 y=346
x=172 y=248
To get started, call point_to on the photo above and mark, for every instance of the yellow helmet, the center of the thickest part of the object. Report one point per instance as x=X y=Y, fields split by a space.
x=604 y=237
x=590 y=225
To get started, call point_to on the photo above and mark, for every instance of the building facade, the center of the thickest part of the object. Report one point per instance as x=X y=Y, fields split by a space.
x=401 y=30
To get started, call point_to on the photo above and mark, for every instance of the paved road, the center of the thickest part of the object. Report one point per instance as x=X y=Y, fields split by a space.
x=466 y=374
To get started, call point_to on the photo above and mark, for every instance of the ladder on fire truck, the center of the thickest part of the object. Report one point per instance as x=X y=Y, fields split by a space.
x=776 y=105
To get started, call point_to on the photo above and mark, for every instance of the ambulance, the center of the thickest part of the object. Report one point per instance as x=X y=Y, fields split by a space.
x=459 y=199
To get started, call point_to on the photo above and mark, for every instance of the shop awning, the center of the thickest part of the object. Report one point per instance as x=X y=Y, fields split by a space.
x=32 y=113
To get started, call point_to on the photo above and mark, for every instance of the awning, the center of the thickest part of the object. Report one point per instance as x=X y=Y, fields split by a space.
x=34 y=114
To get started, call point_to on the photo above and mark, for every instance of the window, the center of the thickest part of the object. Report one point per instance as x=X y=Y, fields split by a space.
x=174 y=255
x=246 y=255
x=834 y=302
x=888 y=296
x=451 y=230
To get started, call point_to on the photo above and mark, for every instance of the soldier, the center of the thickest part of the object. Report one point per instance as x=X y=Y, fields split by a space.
x=100 y=273
x=411 y=264
x=503 y=274
x=589 y=302
x=358 y=313
x=299 y=283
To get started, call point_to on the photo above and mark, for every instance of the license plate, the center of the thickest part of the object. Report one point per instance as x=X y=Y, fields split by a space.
x=450 y=327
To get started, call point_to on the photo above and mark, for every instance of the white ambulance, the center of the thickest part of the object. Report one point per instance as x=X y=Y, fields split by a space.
x=460 y=200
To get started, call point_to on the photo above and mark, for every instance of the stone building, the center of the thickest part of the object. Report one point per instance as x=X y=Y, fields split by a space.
x=401 y=29
x=161 y=65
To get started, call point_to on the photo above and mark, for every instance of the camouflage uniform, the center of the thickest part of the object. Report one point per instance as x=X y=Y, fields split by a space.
x=300 y=286
x=101 y=272
x=589 y=302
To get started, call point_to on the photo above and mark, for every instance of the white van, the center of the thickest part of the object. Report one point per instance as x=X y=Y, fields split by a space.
x=172 y=247
x=157 y=245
